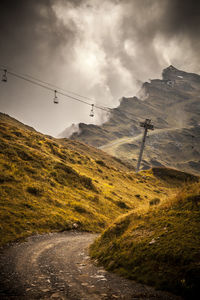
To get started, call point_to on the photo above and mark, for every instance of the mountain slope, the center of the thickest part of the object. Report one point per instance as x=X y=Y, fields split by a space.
x=159 y=246
x=173 y=104
x=51 y=184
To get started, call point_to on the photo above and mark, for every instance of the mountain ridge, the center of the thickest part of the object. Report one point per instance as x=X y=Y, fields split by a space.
x=171 y=102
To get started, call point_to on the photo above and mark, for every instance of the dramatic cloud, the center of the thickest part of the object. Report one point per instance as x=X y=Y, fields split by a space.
x=102 y=49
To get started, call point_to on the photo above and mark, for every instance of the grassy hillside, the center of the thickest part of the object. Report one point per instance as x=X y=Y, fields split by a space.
x=48 y=184
x=158 y=246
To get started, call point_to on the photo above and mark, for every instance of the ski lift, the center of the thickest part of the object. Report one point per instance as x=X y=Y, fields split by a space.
x=55 y=100
x=4 y=76
x=92 y=111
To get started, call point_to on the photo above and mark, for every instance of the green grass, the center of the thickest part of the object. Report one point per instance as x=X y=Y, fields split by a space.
x=159 y=246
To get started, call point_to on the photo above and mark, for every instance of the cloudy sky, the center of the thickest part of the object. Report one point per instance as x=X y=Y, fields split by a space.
x=101 y=49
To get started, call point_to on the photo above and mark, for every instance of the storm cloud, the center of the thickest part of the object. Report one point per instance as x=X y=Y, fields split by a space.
x=100 y=49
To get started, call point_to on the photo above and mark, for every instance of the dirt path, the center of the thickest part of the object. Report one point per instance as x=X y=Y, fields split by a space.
x=111 y=147
x=57 y=266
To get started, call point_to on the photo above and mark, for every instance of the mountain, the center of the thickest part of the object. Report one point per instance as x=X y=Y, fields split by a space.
x=173 y=105
x=69 y=131
x=49 y=184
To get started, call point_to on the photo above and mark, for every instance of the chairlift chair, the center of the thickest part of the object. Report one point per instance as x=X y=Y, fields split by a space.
x=4 y=76
x=92 y=111
x=55 y=100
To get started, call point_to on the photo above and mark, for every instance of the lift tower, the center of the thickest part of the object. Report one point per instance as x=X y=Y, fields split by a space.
x=147 y=125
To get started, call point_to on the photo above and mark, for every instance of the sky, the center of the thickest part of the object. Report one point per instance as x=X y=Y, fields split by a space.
x=100 y=49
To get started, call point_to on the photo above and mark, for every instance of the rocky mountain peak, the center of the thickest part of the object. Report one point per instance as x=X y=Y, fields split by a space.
x=174 y=74
x=172 y=103
x=171 y=73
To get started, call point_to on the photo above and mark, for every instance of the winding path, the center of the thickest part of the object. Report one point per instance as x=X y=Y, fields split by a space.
x=57 y=266
x=111 y=147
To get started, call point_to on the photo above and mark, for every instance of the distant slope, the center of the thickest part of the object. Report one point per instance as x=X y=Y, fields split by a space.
x=172 y=103
x=159 y=246
x=170 y=147
x=51 y=184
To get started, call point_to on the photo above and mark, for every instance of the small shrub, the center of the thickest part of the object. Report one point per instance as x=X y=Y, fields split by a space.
x=52 y=183
x=24 y=155
x=130 y=177
x=113 y=193
x=87 y=183
x=80 y=209
x=34 y=191
x=101 y=163
x=154 y=201
x=157 y=191
x=108 y=198
x=72 y=160
x=7 y=137
x=10 y=153
x=6 y=178
x=29 y=206
x=17 y=133
x=122 y=204
x=65 y=168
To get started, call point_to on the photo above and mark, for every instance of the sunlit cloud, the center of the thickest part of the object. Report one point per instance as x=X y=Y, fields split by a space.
x=103 y=50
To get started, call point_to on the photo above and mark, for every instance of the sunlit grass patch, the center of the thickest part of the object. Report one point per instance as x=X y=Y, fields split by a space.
x=157 y=245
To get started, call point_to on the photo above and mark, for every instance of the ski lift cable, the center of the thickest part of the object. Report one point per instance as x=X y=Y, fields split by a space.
x=46 y=83
x=46 y=87
x=49 y=87
x=52 y=89
x=43 y=85
x=30 y=80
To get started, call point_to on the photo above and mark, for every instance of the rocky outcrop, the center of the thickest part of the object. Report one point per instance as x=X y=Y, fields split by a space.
x=172 y=102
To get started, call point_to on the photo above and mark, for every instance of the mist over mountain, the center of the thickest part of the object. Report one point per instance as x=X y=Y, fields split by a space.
x=173 y=105
x=98 y=49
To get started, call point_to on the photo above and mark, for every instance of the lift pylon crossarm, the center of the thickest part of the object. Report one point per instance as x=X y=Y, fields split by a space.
x=147 y=124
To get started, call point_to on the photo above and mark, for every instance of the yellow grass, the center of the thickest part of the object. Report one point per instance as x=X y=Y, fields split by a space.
x=48 y=184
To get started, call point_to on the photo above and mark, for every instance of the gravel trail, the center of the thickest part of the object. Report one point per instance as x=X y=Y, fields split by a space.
x=57 y=266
